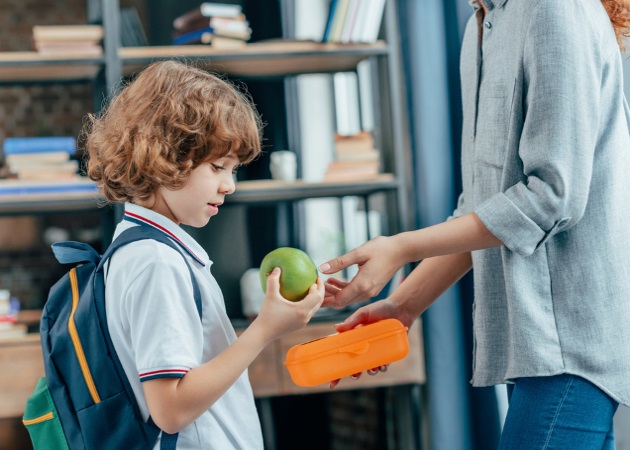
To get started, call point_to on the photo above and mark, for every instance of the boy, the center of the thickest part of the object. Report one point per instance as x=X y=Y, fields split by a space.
x=168 y=146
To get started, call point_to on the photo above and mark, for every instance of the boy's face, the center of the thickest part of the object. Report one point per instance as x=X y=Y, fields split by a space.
x=200 y=198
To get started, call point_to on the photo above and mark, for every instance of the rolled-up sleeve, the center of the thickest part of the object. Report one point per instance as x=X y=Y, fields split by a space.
x=461 y=208
x=562 y=78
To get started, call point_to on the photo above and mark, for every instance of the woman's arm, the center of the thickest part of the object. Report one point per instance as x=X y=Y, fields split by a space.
x=380 y=258
x=421 y=288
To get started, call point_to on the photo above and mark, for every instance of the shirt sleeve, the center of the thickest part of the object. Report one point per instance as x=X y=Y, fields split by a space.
x=562 y=79
x=461 y=208
x=165 y=326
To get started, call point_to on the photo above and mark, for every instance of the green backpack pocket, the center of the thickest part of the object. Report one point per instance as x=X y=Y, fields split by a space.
x=42 y=421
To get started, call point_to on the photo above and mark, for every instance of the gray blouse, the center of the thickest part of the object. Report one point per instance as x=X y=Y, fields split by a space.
x=546 y=167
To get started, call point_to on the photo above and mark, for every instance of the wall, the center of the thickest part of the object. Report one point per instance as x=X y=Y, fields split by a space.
x=622 y=418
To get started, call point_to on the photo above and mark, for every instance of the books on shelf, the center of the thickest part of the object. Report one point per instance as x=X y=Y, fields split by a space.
x=132 y=32
x=13 y=330
x=76 y=33
x=85 y=39
x=207 y=9
x=48 y=187
x=45 y=144
x=45 y=170
x=355 y=158
x=354 y=21
x=216 y=24
x=41 y=158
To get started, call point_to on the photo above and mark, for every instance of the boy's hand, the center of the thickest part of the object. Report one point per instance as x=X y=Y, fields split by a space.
x=279 y=316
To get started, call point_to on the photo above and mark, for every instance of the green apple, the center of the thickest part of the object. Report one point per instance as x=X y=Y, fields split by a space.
x=298 y=272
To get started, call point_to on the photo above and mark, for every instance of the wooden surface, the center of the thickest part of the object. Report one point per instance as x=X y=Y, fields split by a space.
x=22 y=365
x=269 y=58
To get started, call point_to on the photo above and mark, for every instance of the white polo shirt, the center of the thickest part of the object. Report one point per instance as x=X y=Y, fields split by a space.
x=157 y=333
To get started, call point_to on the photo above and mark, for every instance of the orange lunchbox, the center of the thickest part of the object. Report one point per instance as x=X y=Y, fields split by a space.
x=340 y=355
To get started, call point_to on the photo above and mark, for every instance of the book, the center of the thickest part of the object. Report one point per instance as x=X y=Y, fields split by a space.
x=37 y=158
x=23 y=187
x=25 y=145
x=13 y=331
x=329 y=21
x=57 y=47
x=354 y=166
x=354 y=21
x=349 y=22
x=207 y=36
x=347 y=112
x=219 y=24
x=201 y=36
x=372 y=21
x=225 y=42
x=67 y=167
x=67 y=32
x=361 y=155
x=358 y=142
x=338 y=20
x=356 y=35
x=332 y=177
x=132 y=32
x=207 y=9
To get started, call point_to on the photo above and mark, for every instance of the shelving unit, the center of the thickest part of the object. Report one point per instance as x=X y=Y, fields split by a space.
x=34 y=68
x=261 y=59
x=273 y=59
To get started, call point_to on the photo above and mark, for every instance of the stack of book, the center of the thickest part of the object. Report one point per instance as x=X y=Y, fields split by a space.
x=9 y=308
x=356 y=158
x=41 y=158
x=218 y=24
x=84 y=39
x=354 y=21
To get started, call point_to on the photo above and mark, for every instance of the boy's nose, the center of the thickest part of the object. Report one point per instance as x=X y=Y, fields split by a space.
x=229 y=185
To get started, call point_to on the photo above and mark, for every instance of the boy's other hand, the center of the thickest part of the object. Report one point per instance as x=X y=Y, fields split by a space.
x=279 y=316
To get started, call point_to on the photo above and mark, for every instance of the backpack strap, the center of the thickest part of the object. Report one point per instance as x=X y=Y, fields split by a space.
x=142 y=232
x=71 y=252
x=133 y=234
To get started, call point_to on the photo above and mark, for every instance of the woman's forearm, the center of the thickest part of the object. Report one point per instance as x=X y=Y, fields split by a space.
x=428 y=281
x=461 y=235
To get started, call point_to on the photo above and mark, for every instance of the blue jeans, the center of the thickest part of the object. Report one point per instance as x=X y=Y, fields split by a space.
x=563 y=412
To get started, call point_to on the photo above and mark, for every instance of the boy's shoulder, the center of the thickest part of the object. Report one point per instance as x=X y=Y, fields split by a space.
x=147 y=253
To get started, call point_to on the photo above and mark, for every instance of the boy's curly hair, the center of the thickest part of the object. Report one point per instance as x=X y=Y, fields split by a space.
x=164 y=124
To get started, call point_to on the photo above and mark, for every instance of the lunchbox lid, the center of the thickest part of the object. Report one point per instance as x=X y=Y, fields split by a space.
x=356 y=341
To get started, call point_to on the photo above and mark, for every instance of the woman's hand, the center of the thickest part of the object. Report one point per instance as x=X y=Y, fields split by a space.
x=381 y=310
x=374 y=312
x=378 y=261
x=279 y=316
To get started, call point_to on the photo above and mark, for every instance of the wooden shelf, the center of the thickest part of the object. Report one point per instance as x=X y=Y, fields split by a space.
x=262 y=59
x=34 y=67
x=24 y=197
x=247 y=192
x=272 y=191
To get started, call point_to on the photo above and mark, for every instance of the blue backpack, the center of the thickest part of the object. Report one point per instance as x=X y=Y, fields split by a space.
x=85 y=401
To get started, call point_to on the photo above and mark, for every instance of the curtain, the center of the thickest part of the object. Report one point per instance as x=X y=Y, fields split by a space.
x=460 y=417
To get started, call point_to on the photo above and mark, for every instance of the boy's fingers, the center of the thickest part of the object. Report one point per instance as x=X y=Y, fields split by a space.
x=273 y=280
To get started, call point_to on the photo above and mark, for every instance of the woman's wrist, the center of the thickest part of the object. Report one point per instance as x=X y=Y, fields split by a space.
x=406 y=246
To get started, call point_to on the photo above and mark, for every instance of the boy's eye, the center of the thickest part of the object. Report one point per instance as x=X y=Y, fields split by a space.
x=217 y=167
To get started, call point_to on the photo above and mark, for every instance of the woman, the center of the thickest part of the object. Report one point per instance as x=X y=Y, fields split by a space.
x=542 y=219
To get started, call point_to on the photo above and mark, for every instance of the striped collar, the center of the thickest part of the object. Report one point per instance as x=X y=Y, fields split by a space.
x=144 y=216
